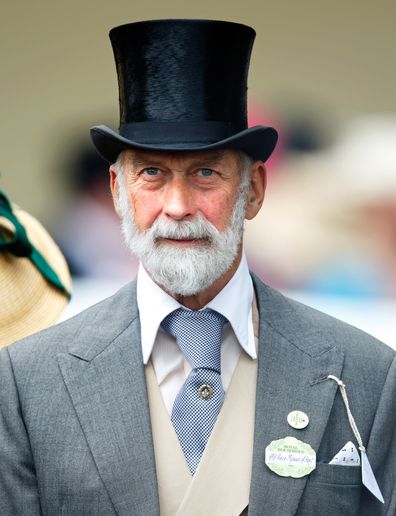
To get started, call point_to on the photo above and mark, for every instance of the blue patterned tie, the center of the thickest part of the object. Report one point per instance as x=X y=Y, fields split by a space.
x=199 y=401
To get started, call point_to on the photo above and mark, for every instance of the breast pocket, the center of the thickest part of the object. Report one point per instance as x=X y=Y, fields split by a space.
x=331 y=490
x=85 y=505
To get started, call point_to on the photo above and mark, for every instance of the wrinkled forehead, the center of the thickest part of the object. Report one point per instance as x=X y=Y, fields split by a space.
x=137 y=157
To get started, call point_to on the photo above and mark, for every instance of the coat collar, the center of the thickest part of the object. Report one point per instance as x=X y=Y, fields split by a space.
x=98 y=327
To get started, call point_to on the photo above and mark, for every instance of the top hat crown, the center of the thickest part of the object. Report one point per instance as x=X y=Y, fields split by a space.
x=183 y=86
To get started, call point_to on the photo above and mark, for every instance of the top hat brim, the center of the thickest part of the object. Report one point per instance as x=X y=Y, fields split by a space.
x=258 y=142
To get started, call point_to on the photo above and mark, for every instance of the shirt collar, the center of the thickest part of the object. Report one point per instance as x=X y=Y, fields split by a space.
x=155 y=304
x=235 y=303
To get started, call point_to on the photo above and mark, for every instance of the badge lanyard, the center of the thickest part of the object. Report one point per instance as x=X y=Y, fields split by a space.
x=368 y=477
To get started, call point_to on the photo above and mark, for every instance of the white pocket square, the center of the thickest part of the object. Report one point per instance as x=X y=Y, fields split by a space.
x=347 y=456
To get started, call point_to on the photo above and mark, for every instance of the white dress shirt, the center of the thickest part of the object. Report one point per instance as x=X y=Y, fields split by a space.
x=234 y=302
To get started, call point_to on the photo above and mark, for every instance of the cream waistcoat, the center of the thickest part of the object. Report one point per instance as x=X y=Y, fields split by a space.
x=221 y=484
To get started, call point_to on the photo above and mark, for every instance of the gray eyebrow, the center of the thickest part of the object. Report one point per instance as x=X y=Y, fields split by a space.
x=153 y=160
x=141 y=161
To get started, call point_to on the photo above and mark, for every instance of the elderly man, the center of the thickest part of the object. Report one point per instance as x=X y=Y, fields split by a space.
x=196 y=390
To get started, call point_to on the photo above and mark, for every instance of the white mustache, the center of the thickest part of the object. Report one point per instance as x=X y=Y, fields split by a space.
x=197 y=229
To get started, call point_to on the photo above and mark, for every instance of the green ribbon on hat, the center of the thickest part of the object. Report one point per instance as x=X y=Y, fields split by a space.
x=21 y=246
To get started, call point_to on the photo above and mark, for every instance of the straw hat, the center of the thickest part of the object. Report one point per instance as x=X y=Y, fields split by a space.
x=34 y=277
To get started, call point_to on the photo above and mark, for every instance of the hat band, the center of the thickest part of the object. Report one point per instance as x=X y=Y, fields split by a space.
x=19 y=245
x=179 y=132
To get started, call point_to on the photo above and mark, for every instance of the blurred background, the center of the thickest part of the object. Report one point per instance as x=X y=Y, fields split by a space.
x=323 y=74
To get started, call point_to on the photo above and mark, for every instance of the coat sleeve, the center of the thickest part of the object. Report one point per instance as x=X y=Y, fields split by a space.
x=18 y=483
x=381 y=451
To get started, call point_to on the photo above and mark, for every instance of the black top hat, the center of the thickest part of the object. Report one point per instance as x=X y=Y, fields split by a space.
x=183 y=86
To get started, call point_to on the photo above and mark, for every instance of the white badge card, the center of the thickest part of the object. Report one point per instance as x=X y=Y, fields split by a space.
x=369 y=479
x=347 y=456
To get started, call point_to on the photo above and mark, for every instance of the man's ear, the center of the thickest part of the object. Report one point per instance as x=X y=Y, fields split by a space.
x=258 y=183
x=114 y=189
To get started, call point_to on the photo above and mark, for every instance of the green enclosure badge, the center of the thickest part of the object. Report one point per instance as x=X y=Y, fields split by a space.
x=290 y=457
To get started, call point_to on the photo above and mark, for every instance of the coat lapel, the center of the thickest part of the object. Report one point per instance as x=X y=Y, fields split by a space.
x=105 y=379
x=292 y=357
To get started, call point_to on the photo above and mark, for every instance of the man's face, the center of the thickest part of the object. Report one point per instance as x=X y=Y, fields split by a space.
x=178 y=187
x=183 y=214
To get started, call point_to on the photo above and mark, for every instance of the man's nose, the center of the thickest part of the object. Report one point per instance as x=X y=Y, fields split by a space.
x=179 y=200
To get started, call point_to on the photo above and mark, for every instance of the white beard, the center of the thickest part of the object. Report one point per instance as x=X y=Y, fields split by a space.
x=184 y=271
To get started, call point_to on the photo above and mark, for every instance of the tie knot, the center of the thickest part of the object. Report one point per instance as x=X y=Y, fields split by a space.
x=198 y=334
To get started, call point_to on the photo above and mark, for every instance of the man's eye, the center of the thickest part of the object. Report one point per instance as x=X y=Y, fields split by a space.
x=205 y=172
x=151 y=171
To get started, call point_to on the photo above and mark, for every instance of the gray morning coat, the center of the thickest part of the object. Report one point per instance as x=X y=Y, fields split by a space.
x=75 y=434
